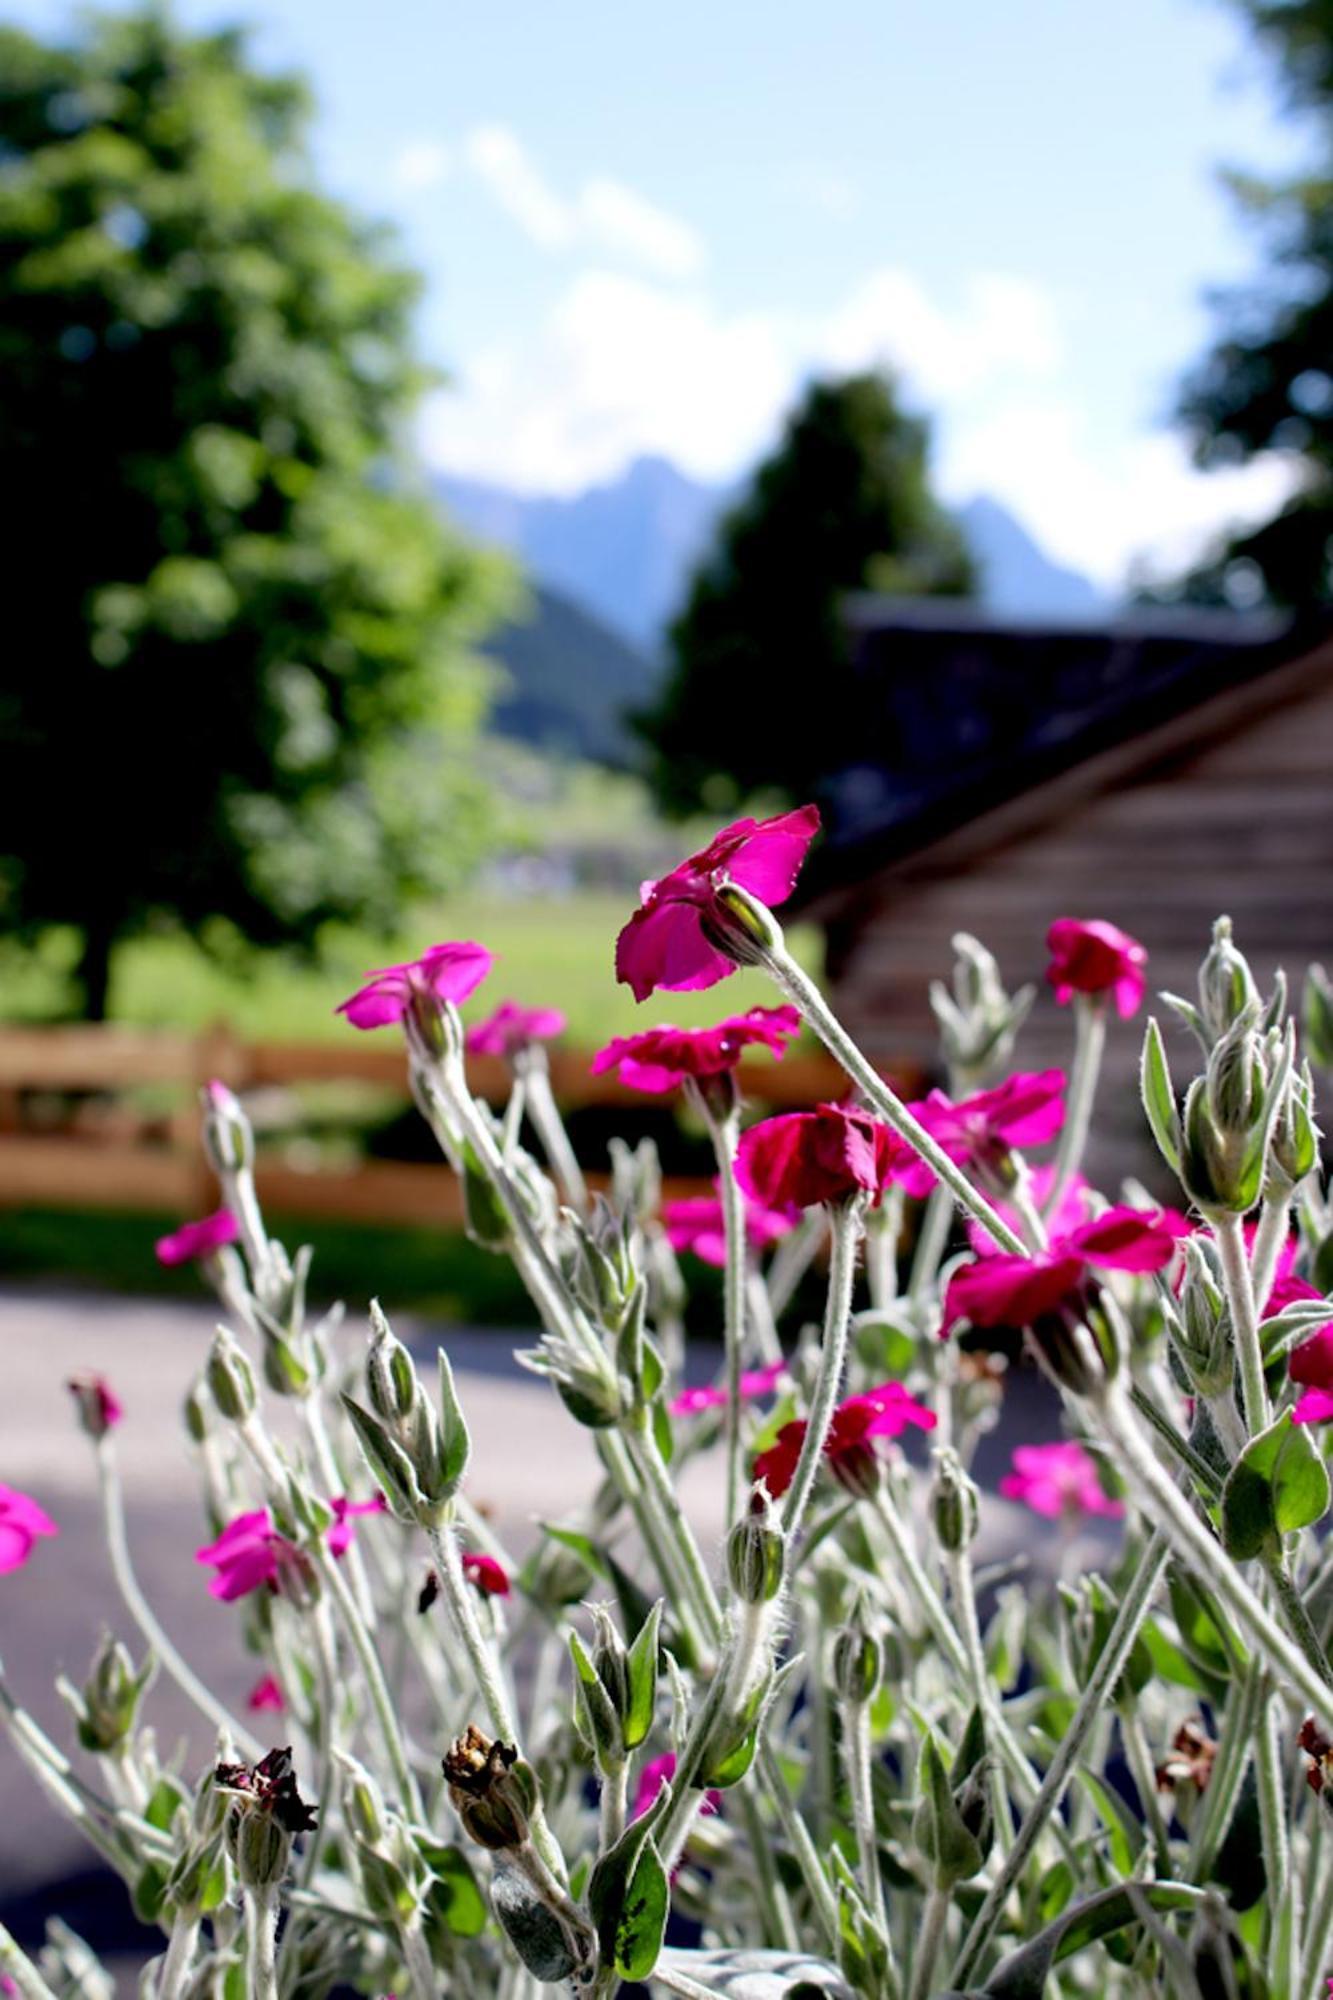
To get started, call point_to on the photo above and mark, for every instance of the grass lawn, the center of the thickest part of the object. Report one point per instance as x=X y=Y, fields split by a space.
x=557 y=951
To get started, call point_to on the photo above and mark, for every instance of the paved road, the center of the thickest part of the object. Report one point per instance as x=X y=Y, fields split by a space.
x=529 y=1462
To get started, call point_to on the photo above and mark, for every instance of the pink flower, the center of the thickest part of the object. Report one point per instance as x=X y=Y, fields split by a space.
x=21 y=1522
x=445 y=972
x=100 y=1409
x=1058 y=1481
x=265 y=1694
x=1016 y=1291
x=344 y=1510
x=1311 y=1366
x=668 y=942
x=1024 y=1110
x=1095 y=957
x=1290 y=1290
x=250 y=1553
x=485 y=1573
x=695 y=1223
x=882 y=1412
x=661 y=1059
x=801 y=1158
x=511 y=1027
x=199 y=1239
x=653 y=1776
x=755 y=1382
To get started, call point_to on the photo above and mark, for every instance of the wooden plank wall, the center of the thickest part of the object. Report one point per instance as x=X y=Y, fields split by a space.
x=1242 y=826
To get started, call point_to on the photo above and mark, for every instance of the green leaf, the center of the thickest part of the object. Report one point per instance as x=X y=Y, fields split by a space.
x=641 y=1668
x=536 y=1934
x=1023 y=1975
x=1278 y=1484
x=1159 y=1099
x=454 y=1897
x=484 y=1216
x=888 y=1350
x=165 y=1803
x=1126 y=1835
x=938 y=1827
x=148 y=1891
x=1205 y=1635
x=455 y=1439
x=611 y=1886
x=643 y=1917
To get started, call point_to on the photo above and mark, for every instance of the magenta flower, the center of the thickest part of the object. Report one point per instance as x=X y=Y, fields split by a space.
x=1096 y=957
x=669 y=941
x=265 y=1695
x=653 y=1776
x=199 y=1239
x=21 y=1522
x=978 y=1131
x=662 y=1059
x=1017 y=1291
x=250 y=1553
x=100 y=1409
x=801 y=1158
x=1310 y=1366
x=485 y=1574
x=445 y=972
x=510 y=1029
x=695 y=1223
x=1058 y=1481
x=883 y=1412
x=755 y=1382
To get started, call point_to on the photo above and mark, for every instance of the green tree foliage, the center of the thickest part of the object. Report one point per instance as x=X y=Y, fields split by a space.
x=760 y=664
x=239 y=687
x=1267 y=384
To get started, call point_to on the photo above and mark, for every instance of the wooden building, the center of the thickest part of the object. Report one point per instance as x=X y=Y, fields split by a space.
x=1156 y=771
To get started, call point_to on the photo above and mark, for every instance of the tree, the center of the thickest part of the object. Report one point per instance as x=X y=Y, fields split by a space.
x=759 y=664
x=239 y=686
x=1267 y=384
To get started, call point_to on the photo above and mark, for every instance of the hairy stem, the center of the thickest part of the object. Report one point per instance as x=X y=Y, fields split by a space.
x=845 y=1218
x=1230 y=1239
x=1089 y=1045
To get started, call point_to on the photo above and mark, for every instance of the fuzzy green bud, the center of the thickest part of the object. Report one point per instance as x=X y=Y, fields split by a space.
x=1204 y=1338
x=1293 y=1150
x=954 y=1508
x=231 y=1379
x=1317 y=1016
x=756 y=1551
x=228 y=1137
x=739 y=925
x=1226 y=985
x=858 y=1659
x=195 y=1410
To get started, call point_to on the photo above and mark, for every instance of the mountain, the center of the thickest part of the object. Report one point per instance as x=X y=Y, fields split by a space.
x=624 y=549
x=570 y=681
x=1018 y=578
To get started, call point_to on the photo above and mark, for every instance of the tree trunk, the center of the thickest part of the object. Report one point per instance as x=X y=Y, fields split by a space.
x=94 y=971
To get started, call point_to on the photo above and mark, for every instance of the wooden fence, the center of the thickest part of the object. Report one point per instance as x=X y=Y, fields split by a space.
x=113 y=1154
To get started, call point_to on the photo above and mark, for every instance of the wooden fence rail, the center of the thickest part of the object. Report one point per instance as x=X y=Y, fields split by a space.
x=130 y=1159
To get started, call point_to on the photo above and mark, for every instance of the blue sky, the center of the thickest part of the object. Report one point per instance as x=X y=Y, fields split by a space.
x=642 y=226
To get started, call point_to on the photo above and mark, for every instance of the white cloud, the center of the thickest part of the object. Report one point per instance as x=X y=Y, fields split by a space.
x=421 y=164
x=622 y=366
x=603 y=216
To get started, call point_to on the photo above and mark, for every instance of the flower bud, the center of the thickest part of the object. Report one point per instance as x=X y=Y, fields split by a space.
x=954 y=1507
x=1293 y=1149
x=195 y=1411
x=231 y=1379
x=228 y=1137
x=391 y=1378
x=636 y=1180
x=610 y=1659
x=978 y=1021
x=492 y=1793
x=1071 y=1353
x=1202 y=1331
x=1226 y=984
x=756 y=1551
x=858 y=1658
x=108 y=1703
x=739 y=925
x=98 y=1407
x=1317 y=1016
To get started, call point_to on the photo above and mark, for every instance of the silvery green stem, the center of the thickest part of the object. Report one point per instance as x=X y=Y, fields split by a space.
x=1089 y=1045
x=369 y=1661
x=416 y=1953
x=760 y=1315
x=16 y=1965
x=985 y=1697
x=1139 y=1759
x=856 y=1759
x=545 y=1115
x=660 y=1495
x=512 y=1123
x=663 y=1551
x=1269 y=1237
x=802 y=991
x=1227 y=1423
x=1297 y=1619
x=1319 y=1925
x=933 y=1234
x=845 y=1222
x=1110 y=1665
x=612 y=1805
x=1218 y=1802
x=811 y=1864
x=490 y=1685
x=326 y=1674
x=770 y=1893
x=686 y=1796
x=883 y=1228
x=326 y=1464
x=122 y=1568
x=1179 y=1446
x=1230 y=1239
x=793 y=1258
x=680 y=1983
x=724 y=1132
x=1272 y=1805
x=175 y=1969
x=933 y=1919
x=261 y=1936
x=1162 y=1502
x=117 y=1833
